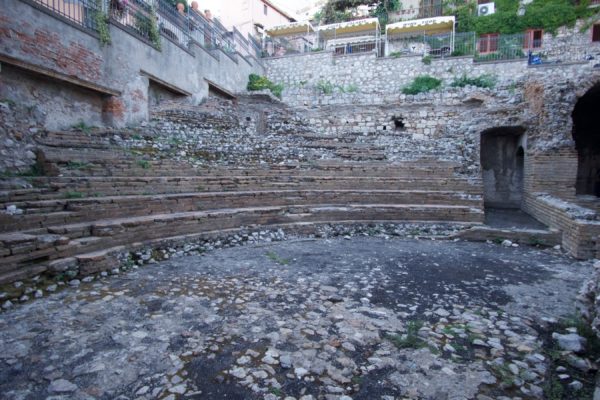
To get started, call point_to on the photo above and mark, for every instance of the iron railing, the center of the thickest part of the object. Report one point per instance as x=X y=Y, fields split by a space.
x=275 y=47
x=137 y=16
x=256 y=47
x=240 y=43
x=494 y=47
x=81 y=12
x=173 y=24
x=200 y=29
x=223 y=38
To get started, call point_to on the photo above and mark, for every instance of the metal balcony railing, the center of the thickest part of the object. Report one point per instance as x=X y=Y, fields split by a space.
x=81 y=12
x=137 y=16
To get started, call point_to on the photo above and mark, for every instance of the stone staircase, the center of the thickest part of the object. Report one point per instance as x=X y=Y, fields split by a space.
x=98 y=196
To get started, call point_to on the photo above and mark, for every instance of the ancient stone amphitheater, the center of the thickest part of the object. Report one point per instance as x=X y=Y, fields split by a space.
x=106 y=193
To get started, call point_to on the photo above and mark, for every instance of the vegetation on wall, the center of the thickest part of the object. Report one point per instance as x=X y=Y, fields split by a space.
x=101 y=20
x=257 y=82
x=147 y=26
x=483 y=81
x=422 y=84
x=325 y=87
x=539 y=14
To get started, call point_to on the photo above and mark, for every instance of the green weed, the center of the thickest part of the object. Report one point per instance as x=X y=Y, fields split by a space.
x=144 y=164
x=422 y=84
x=275 y=258
x=74 y=195
x=411 y=339
x=482 y=81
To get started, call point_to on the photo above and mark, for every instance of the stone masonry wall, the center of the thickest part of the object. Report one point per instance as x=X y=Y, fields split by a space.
x=34 y=36
x=366 y=79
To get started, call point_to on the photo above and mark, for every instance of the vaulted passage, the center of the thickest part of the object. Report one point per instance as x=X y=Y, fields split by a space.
x=502 y=162
x=586 y=133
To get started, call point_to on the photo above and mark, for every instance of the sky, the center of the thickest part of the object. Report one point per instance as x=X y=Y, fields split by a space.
x=217 y=7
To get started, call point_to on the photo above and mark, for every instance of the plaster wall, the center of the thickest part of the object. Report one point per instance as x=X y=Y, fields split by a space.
x=34 y=36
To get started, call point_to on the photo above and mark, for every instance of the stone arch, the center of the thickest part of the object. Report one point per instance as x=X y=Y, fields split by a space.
x=586 y=134
x=502 y=158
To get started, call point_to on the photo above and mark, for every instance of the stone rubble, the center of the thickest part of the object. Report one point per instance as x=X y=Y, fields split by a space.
x=326 y=318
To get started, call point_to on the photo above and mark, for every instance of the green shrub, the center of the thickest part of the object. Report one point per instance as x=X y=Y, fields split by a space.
x=144 y=164
x=426 y=60
x=483 y=81
x=257 y=82
x=325 y=87
x=277 y=90
x=422 y=84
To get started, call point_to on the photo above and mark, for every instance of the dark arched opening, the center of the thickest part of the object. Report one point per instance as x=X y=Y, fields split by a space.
x=502 y=164
x=586 y=133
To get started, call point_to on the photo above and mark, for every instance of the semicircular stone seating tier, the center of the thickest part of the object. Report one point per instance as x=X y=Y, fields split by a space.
x=97 y=196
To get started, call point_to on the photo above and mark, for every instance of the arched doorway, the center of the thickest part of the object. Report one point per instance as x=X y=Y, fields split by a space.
x=586 y=133
x=502 y=165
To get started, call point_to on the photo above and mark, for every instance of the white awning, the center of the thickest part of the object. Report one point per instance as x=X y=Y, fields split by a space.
x=357 y=26
x=294 y=28
x=428 y=25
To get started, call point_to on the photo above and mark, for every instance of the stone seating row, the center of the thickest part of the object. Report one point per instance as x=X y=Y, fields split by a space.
x=52 y=188
x=43 y=213
x=26 y=253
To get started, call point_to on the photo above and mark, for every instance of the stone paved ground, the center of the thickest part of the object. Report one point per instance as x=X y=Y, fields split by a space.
x=354 y=318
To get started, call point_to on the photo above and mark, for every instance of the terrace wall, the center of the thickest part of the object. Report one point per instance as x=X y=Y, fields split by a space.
x=34 y=38
x=366 y=79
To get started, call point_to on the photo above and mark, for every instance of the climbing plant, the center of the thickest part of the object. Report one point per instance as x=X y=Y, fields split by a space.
x=541 y=14
x=153 y=33
x=101 y=21
x=146 y=25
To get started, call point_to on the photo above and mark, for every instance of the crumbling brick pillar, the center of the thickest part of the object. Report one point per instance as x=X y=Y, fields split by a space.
x=113 y=111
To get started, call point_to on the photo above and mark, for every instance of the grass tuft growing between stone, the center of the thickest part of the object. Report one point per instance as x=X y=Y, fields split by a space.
x=482 y=81
x=411 y=339
x=276 y=258
x=422 y=84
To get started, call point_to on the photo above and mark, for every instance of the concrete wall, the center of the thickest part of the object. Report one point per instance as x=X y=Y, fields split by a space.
x=34 y=36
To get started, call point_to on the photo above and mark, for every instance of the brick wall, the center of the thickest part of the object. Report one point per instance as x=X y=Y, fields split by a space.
x=35 y=37
x=579 y=235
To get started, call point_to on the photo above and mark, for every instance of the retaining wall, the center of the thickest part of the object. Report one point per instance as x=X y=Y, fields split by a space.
x=33 y=38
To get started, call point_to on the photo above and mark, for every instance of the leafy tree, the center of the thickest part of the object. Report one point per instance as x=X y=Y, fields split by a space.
x=341 y=10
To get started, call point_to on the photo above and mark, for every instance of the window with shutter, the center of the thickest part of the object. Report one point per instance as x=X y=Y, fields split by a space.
x=488 y=43
x=533 y=39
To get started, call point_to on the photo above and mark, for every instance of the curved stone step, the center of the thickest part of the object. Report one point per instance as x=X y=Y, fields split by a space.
x=37 y=214
x=69 y=240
